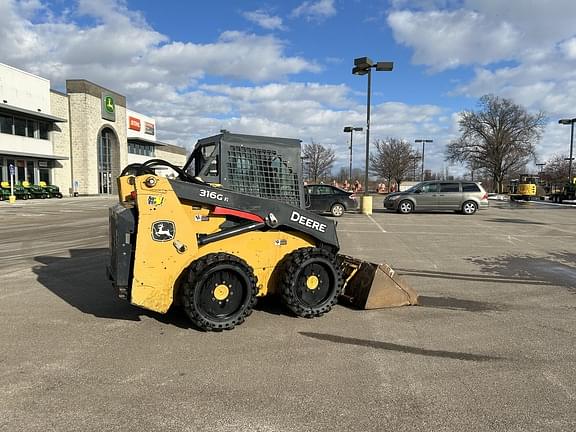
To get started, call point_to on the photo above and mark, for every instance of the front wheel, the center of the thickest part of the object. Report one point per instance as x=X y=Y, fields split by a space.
x=311 y=282
x=469 y=207
x=220 y=292
x=405 y=207
x=337 y=210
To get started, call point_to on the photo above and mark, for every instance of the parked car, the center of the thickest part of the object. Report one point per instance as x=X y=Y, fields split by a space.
x=325 y=198
x=466 y=197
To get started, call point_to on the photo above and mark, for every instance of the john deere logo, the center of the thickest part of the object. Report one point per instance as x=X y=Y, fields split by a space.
x=163 y=231
x=109 y=104
x=108 y=107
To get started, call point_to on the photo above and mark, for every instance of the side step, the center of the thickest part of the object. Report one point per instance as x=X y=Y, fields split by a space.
x=374 y=286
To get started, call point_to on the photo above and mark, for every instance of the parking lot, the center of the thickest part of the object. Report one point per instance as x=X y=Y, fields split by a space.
x=491 y=348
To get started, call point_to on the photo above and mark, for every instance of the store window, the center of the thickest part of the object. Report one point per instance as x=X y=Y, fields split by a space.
x=43 y=130
x=19 y=126
x=31 y=128
x=6 y=123
x=20 y=171
x=24 y=127
x=44 y=171
x=30 y=171
x=141 y=149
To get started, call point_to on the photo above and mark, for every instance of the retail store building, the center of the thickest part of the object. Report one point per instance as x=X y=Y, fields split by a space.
x=79 y=140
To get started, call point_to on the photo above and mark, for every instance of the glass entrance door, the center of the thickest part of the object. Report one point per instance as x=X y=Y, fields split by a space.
x=105 y=143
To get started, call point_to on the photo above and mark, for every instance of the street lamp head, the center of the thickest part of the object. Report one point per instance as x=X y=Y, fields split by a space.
x=567 y=121
x=360 y=71
x=384 y=66
x=423 y=141
x=363 y=62
x=351 y=128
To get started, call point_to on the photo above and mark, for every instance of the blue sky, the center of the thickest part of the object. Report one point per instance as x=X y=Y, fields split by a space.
x=284 y=68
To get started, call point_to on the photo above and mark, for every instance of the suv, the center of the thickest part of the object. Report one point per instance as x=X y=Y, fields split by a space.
x=466 y=197
x=325 y=198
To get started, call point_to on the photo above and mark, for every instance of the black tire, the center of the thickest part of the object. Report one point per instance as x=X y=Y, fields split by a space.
x=469 y=207
x=405 y=207
x=311 y=282
x=337 y=210
x=220 y=292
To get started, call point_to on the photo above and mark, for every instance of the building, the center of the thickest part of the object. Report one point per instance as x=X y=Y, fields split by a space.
x=79 y=140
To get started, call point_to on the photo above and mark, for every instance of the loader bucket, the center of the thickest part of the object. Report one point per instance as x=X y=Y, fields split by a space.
x=374 y=286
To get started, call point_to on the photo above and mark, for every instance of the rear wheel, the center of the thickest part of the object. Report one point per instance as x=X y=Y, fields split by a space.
x=311 y=282
x=337 y=210
x=220 y=292
x=405 y=207
x=469 y=207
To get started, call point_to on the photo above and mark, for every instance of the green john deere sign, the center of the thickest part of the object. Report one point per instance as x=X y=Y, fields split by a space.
x=108 y=107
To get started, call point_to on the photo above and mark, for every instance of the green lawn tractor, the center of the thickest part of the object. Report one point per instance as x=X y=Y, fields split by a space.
x=34 y=190
x=53 y=191
x=19 y=191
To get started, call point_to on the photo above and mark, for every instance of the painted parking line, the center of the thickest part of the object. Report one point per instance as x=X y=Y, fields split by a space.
x=376 y=223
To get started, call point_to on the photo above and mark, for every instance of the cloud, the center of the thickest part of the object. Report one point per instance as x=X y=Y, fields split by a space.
x=264 y=20
x=445 y=40
x=315 y=11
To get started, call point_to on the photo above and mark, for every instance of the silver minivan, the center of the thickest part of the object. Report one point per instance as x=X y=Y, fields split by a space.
x=464 y=196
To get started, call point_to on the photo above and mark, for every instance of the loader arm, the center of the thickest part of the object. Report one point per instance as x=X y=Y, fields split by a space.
x=274 y=214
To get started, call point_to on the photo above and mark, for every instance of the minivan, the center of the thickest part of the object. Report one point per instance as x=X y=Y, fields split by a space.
x=463 y=196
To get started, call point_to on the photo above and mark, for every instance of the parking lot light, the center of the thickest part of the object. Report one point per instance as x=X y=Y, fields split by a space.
x=351 y=129
x=571 y=123
x=423 y=141
x=363 y=66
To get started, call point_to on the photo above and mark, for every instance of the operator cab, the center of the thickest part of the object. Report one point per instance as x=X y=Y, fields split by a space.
x=265 y=167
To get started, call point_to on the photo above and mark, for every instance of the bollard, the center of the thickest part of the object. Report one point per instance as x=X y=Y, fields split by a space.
x=12 y=199
x=366 y=204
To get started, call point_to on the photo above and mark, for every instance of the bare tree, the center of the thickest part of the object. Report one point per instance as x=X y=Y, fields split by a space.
x=392 y=160
x=319 y=160
x=555 y=172
x=500 y=137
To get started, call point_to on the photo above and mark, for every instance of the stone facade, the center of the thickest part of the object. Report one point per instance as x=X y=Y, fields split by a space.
x=86 y=126
x=60 y=138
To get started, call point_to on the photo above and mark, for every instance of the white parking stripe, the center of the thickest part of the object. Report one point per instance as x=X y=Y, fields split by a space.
x=376 y=223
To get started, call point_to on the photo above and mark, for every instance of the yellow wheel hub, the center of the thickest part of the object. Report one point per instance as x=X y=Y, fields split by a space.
x=221 y=292
x=312 y=282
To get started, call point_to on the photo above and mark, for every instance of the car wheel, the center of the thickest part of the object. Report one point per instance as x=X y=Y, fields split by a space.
x=405 y=207
x=337 y=210
x=469 y=207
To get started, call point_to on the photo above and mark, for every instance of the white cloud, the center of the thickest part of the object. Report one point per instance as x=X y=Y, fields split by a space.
x=315 y=10
x=446 y=40
x=264 y=19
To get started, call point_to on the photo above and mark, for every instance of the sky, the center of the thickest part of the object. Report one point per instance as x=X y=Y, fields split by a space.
x=284 y=68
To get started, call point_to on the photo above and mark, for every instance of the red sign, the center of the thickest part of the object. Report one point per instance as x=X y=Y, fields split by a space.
x=149 y=128
x=134 y=123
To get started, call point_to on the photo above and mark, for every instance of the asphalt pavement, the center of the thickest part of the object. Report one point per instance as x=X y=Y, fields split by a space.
x=491 y=348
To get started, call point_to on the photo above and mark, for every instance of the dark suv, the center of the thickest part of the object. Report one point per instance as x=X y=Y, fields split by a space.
x=325 y=198
x=463 y=196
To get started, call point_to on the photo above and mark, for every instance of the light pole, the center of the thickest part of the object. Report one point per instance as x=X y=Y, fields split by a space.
x=423 y=141
x=351 y=129
x=363 y=66
x=571 y=123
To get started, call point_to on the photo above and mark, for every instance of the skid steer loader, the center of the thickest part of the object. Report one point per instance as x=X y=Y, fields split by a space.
x=232 y=227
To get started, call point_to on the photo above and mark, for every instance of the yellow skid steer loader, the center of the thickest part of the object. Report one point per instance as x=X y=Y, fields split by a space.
x=230 y=228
